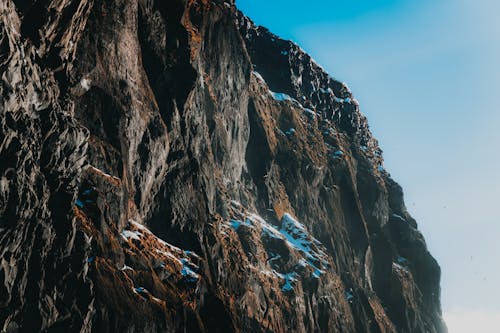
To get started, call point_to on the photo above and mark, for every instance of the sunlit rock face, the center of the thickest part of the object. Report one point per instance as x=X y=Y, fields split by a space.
x=167 y=166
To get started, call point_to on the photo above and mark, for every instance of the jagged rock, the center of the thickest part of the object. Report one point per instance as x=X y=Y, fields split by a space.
x=168 y=166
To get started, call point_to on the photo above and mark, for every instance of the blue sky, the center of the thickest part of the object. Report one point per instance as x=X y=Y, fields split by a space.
x=427 y=75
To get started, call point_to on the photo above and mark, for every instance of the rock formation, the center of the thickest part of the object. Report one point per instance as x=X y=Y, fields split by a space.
x=168 y=166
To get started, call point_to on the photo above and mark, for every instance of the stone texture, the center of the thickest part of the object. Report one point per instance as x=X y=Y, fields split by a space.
x=168 y=166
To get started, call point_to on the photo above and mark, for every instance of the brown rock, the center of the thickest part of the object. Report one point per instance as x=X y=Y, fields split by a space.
x=168 y=166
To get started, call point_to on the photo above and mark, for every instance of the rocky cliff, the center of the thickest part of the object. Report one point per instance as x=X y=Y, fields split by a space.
x=168 y=166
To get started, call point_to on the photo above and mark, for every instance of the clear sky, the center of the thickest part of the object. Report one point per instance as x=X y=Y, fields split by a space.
x=427 y=75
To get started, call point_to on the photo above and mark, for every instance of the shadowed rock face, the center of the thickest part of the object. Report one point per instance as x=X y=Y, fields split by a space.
x=167 y=166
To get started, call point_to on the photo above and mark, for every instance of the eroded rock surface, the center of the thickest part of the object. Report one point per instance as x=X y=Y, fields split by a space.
x=168 y=166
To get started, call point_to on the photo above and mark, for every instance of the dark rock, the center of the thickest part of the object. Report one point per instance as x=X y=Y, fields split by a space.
x=168 y=166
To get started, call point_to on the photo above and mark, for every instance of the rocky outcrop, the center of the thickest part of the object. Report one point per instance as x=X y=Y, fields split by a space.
x=168 y=166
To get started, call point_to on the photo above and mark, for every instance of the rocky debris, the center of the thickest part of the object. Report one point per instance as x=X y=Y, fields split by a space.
x=168 y=166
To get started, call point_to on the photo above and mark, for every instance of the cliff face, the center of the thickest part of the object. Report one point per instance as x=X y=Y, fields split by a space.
x=167 y=166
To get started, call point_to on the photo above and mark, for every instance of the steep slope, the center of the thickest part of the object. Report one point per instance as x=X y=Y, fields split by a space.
x=167 y=166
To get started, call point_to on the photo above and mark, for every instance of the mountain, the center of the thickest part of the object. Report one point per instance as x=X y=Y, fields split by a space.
x=168 y=166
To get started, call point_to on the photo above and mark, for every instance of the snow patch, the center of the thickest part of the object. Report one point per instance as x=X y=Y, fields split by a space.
x=182 y=258
x=399 y=217
x=85 y=84
x=127 y=234
x=296 y=237
x=349 y=296
x=187 y=271
x=290 y=279
x=126 y=268
x=281 y=97
x=346 y=100
x=258 y=76
x=310 y=112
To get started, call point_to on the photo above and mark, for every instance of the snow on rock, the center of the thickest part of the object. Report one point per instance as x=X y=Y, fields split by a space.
x=295 y=233
x=290 y=279
x=178 y=258
x=326 y=91
x=309 y=259
x=145 y=294
x=236 y=224
x=258 y=76
x=399 y=217
x=85 y=84
x=281 y=97
x=349 y=296
x=188 y=270
x=310 y=112
x=402 y=260
x=268 y=229
x=126 y=268
x=299 y=238
x=127 y=234
x=346 y=100
x=399 y=267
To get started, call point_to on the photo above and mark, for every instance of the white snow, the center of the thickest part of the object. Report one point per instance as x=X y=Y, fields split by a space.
x=267 y=229
x=348 y=295
x=165 y=249
x=281 y=96
x=104 y=174
x=402 y=260
x=296 y=236
x=236 y=224
x=85 y=83
x=126 y=268
x=310 y=112
x=187 y=271
x=138 y=290
x=126 y=234
x=399 y=267
x=273 y=257
x=399 y=217
x=235 y=203
x=317 y=273
x=257 y=75
x=289 y=278
x=346 y=87
x=347 y=100
x=295 y=233
x=142 y=290
x=140 y=226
